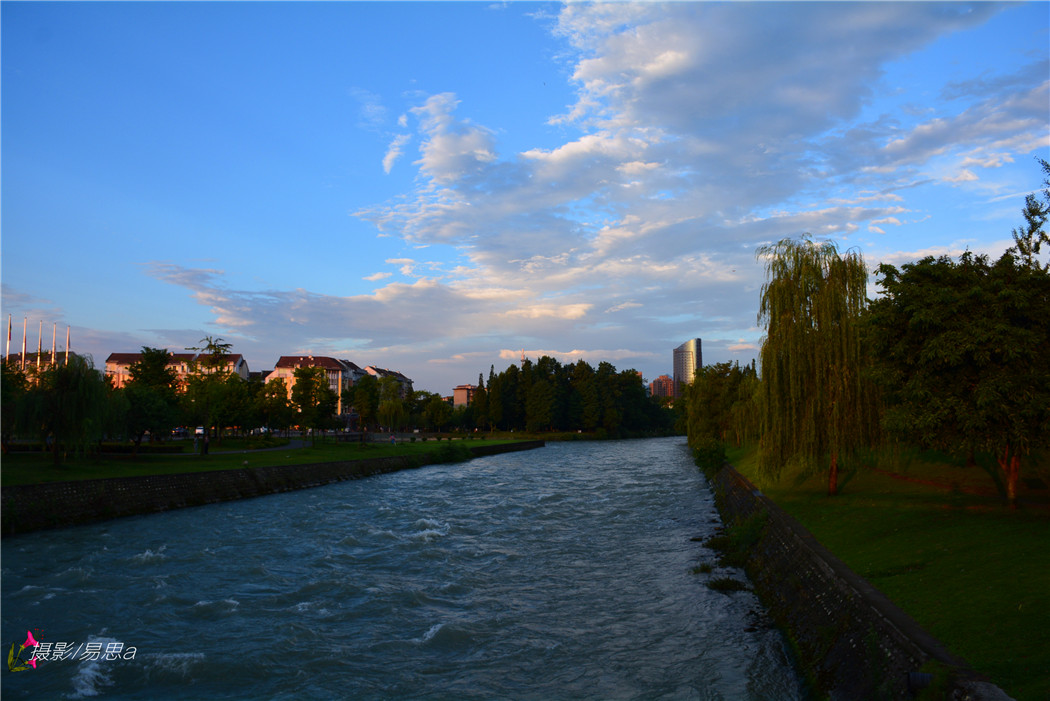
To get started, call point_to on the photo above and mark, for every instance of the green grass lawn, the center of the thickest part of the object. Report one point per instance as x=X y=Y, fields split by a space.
x=973 y=573
x=31 y=468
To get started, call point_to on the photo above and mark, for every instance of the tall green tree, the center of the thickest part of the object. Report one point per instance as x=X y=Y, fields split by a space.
x=152 y=402
x=364 y=398
x=539 y=406
x=272 y=405
x=205 y=395
x=69 y=406
x=436 y=412
x=495 y=399
x=819 y=407
x=314 y=398
x=15 y=388
x=513 y=408
x=1029 y=239
x=585 y=388
x=710 y=399
x=392 y=412
x=232 y=402
x=962 y=349
x=481 y=404
x=152 y=370
x=608 y=398
x=747 y=411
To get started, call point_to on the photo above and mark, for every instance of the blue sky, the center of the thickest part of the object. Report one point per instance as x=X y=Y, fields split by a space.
x=433 y=187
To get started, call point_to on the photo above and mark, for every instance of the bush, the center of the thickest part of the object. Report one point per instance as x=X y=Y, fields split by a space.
x=733 y=547
x=709 y=454
x=452 y=452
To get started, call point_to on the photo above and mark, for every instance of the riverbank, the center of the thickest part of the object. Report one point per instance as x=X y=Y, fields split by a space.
x=31 y=507
x=852 y=641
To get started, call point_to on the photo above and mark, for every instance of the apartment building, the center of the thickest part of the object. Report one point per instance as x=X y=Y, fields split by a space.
x=380 y=373
x=663 y=386
x=118 y=366
x=463 y=395
x=342 y=374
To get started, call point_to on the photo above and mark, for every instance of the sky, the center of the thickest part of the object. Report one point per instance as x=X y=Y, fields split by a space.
x=436 y=187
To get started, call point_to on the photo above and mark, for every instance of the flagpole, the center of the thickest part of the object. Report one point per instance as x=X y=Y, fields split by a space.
x=40 y=344
x=67 y=345
x=7 y=353
x=54 y=335
x=25 y=321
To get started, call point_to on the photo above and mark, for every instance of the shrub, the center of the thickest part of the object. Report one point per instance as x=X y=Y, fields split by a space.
x=735 y=544
x=452 y=452
x=709 y=454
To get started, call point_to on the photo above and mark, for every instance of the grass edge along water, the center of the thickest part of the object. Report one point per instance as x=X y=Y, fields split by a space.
x=965 y=567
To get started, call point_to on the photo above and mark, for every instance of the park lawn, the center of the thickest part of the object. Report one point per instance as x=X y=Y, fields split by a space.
x=32 y=468
x=971 y=572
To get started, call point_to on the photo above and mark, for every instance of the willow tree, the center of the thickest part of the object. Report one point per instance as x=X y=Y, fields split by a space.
x=69 y=405
x=818 y=408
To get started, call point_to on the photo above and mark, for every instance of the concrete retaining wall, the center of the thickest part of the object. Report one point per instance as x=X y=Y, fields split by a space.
x=57 y=504
x=852 y=641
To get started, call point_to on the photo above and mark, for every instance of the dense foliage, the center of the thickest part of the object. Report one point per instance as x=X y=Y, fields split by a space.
x=721 y=407
x=816 y=404
x=67 y=407
x=540 y=396
x=952 y=355
x=547 y=395
x=963 y=349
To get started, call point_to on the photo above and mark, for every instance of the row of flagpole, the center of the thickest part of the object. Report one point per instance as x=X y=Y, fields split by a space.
x=40 y=343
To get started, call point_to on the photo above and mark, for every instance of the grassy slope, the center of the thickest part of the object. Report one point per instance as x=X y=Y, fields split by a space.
x=971 y=572
x=28 y=468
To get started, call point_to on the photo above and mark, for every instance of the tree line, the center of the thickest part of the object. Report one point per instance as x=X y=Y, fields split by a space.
x=540 y=396
x=72 y=407
x=953 y=355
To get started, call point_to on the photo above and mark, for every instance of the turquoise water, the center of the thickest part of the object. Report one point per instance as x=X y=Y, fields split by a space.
x=564 y=572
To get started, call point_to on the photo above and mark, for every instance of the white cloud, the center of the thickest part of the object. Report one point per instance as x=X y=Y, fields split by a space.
x=407 y=265
x=595 y=355
x=964 y=176
x=452 y=149
x=554 y=311
x=394 y=151
x=622 y=306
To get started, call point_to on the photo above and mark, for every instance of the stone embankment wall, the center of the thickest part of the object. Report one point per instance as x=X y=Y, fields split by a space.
x=57 y=504
x=852 y=642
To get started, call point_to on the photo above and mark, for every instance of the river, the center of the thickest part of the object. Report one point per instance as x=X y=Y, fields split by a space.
x=566 y=572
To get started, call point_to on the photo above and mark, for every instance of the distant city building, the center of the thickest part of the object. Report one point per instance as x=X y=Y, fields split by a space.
x=118 y=366
x=341 y=374
x=463 y=395
x=380 y=373
x=688 y=358
x=34 y=360
x=663 y=386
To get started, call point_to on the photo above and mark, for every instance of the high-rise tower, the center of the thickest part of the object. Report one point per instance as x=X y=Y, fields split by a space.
x=688 y=358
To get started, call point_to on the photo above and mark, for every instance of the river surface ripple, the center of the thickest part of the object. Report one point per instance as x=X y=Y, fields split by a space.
x=557 y=573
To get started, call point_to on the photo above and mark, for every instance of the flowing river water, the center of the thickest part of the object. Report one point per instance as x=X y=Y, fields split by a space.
x=566 y=572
